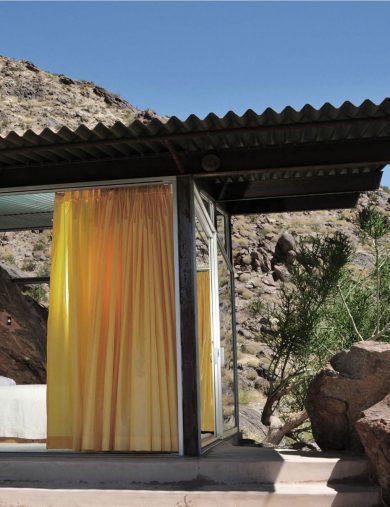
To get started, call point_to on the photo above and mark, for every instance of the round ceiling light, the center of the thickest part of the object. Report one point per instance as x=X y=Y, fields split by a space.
x=211 y=163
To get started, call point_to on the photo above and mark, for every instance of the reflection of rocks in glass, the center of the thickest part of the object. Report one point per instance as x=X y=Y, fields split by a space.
x=202 y=246
x=221 y=232
x=226 y=332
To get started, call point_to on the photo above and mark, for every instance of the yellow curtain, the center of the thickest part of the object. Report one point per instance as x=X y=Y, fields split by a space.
x=111 y=331
x=205 y=352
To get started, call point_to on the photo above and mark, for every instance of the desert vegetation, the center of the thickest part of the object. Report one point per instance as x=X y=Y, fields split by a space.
x=314 y=290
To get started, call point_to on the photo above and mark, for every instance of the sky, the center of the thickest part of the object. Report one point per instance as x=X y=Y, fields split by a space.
x=180 y=58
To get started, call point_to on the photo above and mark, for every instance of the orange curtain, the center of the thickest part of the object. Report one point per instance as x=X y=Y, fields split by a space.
x=205 y=352
x=111 y=331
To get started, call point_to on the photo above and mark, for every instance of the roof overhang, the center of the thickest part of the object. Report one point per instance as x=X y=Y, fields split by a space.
x=293 y=160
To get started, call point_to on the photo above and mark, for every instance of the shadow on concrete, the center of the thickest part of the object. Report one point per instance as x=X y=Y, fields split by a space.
x=225 y=467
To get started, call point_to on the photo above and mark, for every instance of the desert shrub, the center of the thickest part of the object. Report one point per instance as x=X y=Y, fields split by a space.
x=39 y=245
x=29 y=265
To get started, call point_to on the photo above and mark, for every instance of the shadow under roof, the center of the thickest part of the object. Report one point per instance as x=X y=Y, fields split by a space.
x=249 y=163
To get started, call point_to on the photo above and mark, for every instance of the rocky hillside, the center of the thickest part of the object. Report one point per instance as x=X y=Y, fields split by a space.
x=263 y=245
x=22 y=335
x=31 y=98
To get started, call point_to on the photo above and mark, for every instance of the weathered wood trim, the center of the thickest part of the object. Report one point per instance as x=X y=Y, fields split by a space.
x=188 y=316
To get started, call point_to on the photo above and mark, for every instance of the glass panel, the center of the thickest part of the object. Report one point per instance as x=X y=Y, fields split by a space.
x=206 y=204
x=205 y=341
x=227 y=357
x=202 y=247
x=221 y=228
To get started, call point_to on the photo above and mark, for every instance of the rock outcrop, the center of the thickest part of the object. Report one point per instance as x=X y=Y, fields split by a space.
x=374 y=432
x=353 y=381
x=32 y=98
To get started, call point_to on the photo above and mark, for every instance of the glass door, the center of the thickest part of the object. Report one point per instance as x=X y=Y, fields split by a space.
x=215 y=308
x=208 y=331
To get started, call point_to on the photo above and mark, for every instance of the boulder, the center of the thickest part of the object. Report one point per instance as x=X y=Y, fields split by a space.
x=353 y=381
x=285 y=244
x=374 y=432
x=22 y=335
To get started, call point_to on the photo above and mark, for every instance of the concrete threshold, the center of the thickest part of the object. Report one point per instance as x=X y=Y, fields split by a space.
x=278 y=495
x=224 y=466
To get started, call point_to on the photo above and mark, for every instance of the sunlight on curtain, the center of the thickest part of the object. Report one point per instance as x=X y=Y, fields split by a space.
x=205 y=352
x=111 y=331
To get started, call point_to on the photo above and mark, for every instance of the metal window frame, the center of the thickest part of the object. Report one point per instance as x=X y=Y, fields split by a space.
x=129 y=182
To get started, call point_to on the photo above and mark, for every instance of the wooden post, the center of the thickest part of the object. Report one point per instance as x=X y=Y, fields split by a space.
x=188 y=315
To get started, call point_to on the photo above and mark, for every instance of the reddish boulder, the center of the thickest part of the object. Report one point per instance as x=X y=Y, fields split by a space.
x=353 y=381
x=374 y=432
x=22 y=335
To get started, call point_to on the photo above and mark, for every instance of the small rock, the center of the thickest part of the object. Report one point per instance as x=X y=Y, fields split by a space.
x=281 y=273
x=66 y=80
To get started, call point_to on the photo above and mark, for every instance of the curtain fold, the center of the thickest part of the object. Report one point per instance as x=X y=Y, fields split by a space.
x=111 y=332
x=205 y=352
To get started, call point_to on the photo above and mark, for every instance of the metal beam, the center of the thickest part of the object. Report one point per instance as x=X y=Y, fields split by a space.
x=39 y=175
x=305 y=203
x=343 y=183
x=31 y=280
x=359 y=153
x=304 y=157
x=176 y=158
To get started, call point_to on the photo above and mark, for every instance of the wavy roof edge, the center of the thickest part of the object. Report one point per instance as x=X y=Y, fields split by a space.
x=269 y=117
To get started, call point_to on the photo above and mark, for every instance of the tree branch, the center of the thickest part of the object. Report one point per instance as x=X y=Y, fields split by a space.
x=278 y=430
x=349 y=313
x=380 y=333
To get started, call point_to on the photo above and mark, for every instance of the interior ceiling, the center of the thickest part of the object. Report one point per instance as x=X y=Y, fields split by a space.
x=26 y=211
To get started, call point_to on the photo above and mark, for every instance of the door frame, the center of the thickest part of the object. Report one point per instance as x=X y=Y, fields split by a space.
x=207 y=222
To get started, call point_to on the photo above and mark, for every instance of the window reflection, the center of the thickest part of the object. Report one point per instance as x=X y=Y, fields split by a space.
x=227 y=344
x=205 y=340
x=221 y=228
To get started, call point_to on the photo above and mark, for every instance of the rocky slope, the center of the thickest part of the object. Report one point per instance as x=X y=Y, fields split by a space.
x=31 y=98
x=263 y=245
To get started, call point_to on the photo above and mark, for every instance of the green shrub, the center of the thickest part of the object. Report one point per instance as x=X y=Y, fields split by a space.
x=29 y=265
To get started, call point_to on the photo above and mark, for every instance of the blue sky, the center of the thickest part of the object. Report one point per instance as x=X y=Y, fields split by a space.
x=196 y=57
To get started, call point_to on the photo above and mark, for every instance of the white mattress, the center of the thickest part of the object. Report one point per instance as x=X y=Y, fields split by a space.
x=23 y=411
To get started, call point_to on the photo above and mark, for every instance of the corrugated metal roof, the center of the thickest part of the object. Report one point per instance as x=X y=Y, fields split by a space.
x=309 y=125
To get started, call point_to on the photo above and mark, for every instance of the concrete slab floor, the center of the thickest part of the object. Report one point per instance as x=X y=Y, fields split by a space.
x=314 y=495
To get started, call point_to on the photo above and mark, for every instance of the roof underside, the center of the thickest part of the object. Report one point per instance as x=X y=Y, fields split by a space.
x=259 y=163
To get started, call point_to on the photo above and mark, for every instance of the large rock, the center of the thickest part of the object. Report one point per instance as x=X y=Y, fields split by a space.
x=353 y=381
x=374 y=432
x=285 y=244
x=22 y=335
